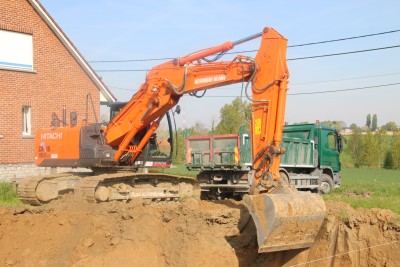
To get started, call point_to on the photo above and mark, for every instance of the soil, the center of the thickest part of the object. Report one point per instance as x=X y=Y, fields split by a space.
x=185 y=233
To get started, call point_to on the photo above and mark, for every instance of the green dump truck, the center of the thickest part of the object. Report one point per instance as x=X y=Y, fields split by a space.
x=311 y=161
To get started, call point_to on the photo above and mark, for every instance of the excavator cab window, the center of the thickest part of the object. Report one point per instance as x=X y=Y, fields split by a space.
x=160 y=145
x=115 y=108
x=158 y=151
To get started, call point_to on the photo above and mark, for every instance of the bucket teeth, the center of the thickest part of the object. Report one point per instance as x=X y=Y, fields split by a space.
x=286 y=221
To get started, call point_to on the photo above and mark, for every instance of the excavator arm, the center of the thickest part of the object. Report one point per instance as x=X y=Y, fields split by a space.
x=165 y=84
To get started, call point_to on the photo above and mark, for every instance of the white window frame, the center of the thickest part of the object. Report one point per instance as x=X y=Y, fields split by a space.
x=26 y=121
x=16 y=51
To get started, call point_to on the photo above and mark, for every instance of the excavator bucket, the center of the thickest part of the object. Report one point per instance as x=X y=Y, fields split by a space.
x=286 y=219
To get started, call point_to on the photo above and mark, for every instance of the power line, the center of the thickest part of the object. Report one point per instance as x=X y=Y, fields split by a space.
x=290 y=59
x=248 y=51
x=300 y=83
x=320 y=92
x=344 y=90
x=345 y=53
x=347 y=79
x=329 y=91
x=345 y=39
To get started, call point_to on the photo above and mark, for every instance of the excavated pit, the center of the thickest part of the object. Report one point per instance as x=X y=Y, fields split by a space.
x=185 y=233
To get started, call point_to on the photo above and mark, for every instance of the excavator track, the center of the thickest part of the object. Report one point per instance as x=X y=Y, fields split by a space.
x=121 y=186
x=128 y=186
x=38 y=190
x=27 y=190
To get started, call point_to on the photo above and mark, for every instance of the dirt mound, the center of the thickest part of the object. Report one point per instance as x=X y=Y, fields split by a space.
x=348 y=237
x=187 y=233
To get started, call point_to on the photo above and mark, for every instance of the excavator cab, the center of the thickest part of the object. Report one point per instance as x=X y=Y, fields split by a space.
x=160 y=147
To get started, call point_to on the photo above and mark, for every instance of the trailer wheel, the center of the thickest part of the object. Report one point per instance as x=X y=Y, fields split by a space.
x=325 y=184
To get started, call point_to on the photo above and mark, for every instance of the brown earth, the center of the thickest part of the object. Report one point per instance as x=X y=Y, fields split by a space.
x=187 y=233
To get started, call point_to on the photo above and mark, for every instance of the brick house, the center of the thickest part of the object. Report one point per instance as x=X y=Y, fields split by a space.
x=41 y=72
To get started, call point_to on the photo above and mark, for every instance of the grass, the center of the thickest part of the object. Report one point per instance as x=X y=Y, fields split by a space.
x=369 y=188
x=8 y=196
x=361 y=188
x=177 y=169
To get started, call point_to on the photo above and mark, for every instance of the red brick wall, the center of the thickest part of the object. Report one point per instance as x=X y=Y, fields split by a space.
x=58 y=80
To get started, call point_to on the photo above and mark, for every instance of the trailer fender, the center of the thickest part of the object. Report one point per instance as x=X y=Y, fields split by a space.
x=285 y=172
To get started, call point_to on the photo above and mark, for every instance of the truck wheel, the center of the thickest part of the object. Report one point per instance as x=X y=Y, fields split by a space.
x=325 y=184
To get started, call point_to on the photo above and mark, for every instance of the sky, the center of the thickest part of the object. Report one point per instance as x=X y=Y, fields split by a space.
x=121 y=30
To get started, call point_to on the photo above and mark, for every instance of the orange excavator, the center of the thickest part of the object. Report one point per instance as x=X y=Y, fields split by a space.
x=284 y=218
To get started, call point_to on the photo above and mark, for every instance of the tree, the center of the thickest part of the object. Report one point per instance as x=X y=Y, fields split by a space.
x=355 y=147
x=338 y=125
x=178 y=154
x=373 y=151
x=353 y=126
x=233 y=116
x=390 y=126
x=395 y=150
x=199 y=129
x=381 y=140
x=374 y=125
x=368 y=124
x=328 y=123
x=388 y=163
x=212 y=131
x=369 y=150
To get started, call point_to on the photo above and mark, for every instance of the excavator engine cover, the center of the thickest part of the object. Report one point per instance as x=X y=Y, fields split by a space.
x=286 y=219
